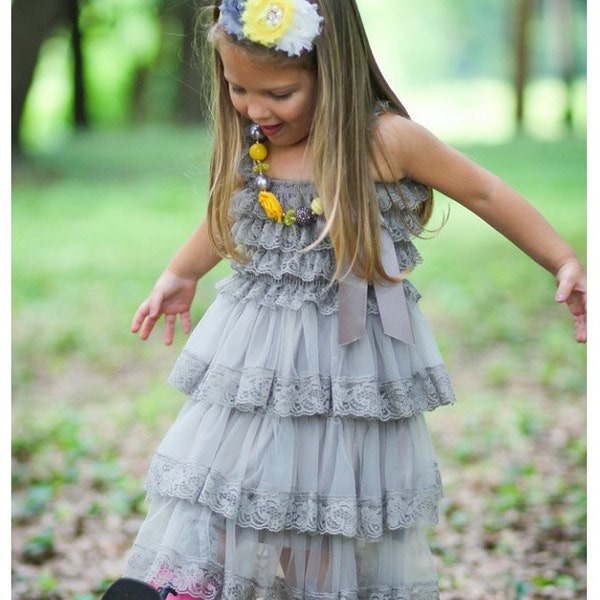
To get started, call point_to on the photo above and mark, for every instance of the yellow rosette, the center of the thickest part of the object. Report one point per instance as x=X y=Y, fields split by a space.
x=271 y=205
x=266 y=21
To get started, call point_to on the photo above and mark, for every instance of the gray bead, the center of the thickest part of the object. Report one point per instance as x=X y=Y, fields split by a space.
x=262 y=182
x=256 y=135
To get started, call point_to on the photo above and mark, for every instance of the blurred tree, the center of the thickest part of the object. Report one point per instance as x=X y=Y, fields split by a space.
x=560 y=15
x=178 y=18
x=134 y=59
x=80 y=115
x=34 y=21
x=523 y=15
x=561 y=19
x=31 y=21
x=191 y=101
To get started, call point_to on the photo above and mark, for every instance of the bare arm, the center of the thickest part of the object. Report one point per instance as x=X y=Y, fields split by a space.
x=421 y=156
x=175 y=289
x=196 y=257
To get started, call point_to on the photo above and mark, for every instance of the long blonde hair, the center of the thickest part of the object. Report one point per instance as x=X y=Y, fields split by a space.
x=349 y=87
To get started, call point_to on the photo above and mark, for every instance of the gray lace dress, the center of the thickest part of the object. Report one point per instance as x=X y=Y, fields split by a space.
x=298 y=468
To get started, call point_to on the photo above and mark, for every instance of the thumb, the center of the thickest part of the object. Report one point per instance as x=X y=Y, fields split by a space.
x=155 y=304
x=567 y=291
x=564 y=289
x=562 y=293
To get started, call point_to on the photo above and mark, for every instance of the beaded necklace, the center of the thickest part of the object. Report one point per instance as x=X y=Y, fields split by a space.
x=258 y=153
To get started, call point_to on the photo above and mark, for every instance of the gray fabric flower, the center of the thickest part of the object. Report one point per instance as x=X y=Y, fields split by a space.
x=231 y=16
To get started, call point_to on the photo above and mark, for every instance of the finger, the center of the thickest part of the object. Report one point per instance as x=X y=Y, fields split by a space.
x=577 y=303
x=169 y=328
x=581 y=328
x=148 y=327
x=186 y=321
x=148 y=314
x=155 y=302
x=139 y=316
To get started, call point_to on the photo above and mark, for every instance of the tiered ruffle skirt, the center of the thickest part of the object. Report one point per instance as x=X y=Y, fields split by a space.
x=297 y=468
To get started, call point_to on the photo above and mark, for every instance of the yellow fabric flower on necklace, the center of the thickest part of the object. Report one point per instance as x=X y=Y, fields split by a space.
x=266 y=21
x=271 y=205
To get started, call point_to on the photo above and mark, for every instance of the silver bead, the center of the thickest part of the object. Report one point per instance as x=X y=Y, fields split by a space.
x=256 y=134
x=262 y=182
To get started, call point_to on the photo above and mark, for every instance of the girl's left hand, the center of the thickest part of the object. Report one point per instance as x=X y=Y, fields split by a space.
x=572 y=290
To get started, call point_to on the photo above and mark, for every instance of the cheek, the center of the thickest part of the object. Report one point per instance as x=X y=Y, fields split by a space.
x=238 y=103
x=294 y=112
x=306 y=104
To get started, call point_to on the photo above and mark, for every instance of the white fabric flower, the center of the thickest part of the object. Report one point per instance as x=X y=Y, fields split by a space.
x=306 y=27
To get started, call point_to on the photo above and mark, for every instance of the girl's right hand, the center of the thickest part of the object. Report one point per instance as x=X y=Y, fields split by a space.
x=172 y=295
x=572 y=291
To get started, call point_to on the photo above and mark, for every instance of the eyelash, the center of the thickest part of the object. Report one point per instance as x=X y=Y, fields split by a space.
x=239 y=91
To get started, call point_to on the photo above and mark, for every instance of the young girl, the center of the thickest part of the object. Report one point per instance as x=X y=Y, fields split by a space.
x=301 y=466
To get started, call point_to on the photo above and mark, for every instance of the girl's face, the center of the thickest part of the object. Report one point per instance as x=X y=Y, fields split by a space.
x=279 y=97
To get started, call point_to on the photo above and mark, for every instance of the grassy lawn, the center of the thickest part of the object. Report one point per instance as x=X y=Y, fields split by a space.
x=94 y=223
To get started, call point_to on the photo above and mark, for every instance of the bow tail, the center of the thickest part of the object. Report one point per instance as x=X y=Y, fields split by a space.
x=391 y=299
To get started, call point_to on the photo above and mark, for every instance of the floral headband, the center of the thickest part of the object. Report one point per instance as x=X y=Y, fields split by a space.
x=289 y=26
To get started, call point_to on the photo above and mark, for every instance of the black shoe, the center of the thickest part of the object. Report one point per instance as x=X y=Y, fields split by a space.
x=134 y=589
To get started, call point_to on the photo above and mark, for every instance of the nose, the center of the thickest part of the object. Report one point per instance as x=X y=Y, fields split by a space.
x=257 y=111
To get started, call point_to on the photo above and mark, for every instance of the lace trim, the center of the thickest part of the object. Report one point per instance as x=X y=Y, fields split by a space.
x=197 y=579
x=256 y=389
x=302 y=512
x=209 y=582
x=426 y=590
x=252 y=225
x=289 y=292
x=268 y=258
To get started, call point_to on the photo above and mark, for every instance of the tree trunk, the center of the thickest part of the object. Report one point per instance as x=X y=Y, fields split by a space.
x=562 y=31
x=80 y=116
x=524 y=9
x=31 y=22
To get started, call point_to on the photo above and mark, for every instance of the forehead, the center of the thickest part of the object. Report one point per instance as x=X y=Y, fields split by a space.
x=239 y=66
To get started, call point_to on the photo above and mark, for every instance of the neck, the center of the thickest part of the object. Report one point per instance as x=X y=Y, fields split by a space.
x=290 y=162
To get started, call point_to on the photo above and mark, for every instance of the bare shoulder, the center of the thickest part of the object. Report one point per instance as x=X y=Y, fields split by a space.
x=396 y=135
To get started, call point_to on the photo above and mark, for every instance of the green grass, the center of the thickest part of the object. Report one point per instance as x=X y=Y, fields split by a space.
x=93 y=224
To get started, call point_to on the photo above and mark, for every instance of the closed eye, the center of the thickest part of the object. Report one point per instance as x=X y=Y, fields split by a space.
x=239 y=91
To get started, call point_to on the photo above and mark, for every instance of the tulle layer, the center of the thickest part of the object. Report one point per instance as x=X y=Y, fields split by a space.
x=203 y=555
x=352 y=478
x=303 y=371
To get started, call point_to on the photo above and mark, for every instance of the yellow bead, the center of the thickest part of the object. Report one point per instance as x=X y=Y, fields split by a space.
x=258 y=151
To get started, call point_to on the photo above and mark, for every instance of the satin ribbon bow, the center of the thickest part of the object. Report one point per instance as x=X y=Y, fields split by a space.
x=391 y=299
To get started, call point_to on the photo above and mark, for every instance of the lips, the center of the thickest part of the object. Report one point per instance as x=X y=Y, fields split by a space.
x=271 y=130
